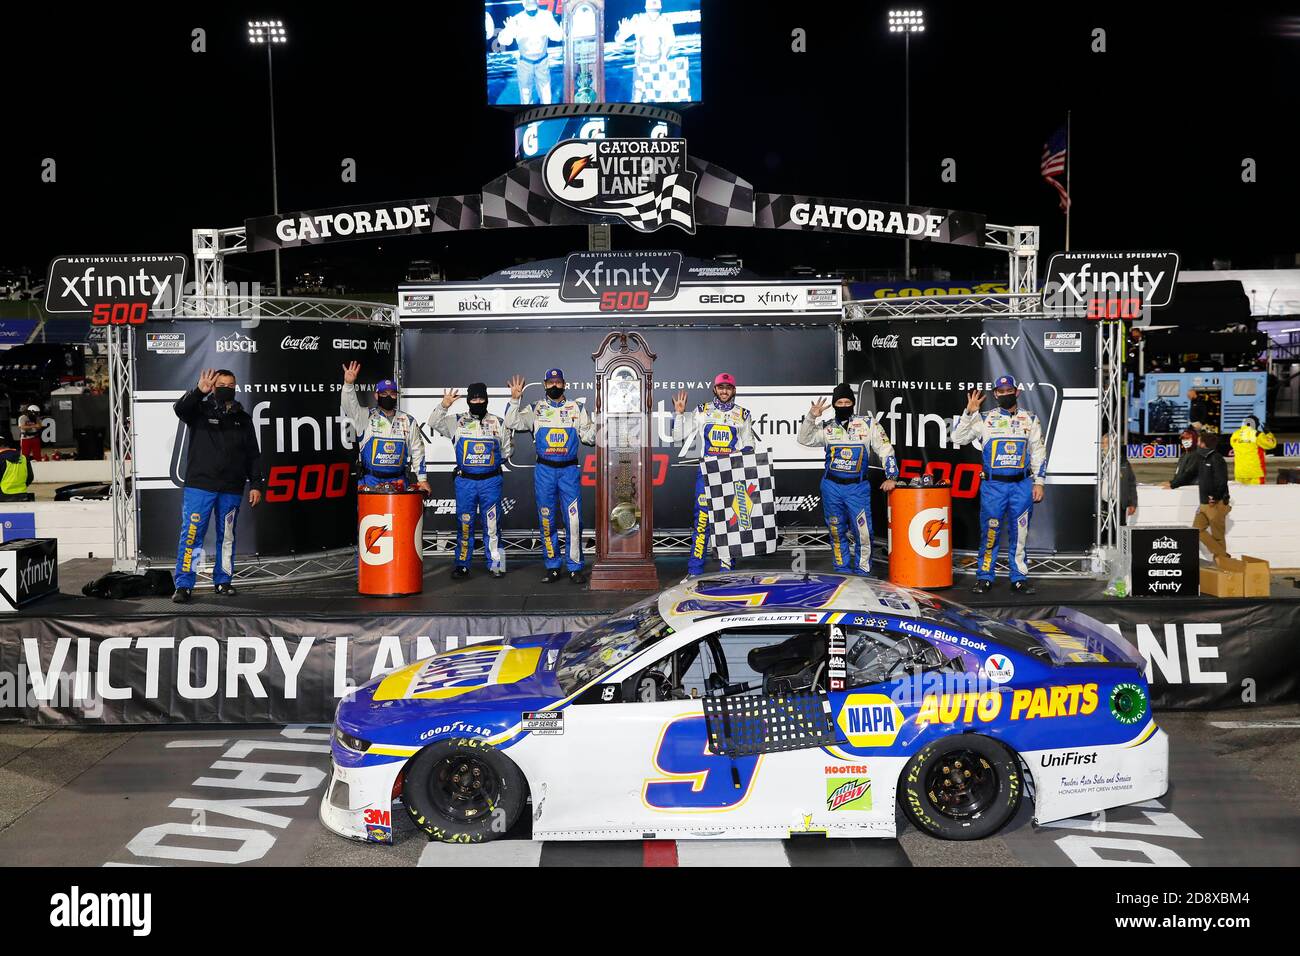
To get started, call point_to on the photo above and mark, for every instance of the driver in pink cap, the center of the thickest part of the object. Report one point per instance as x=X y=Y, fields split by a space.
x=724 y=429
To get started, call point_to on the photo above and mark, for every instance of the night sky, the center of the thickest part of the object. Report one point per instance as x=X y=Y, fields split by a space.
x=152 y=139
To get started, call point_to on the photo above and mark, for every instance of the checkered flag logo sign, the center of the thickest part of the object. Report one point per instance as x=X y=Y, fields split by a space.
x=644 y=182
x=742 y=504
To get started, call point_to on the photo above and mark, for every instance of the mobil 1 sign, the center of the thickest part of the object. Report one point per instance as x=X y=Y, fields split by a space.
x=1110 y=285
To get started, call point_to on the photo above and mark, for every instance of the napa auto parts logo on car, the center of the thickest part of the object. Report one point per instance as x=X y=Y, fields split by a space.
x=621 y=281
x=643 y=182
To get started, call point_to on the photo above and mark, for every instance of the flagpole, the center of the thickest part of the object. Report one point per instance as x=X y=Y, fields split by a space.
x=1069 y=162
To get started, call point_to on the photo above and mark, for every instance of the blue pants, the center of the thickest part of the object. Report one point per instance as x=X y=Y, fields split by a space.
x=197 y=507
x=1005 y=509
x=702 y=530
x=479 y=502
x=848 y=519
x=559 y=503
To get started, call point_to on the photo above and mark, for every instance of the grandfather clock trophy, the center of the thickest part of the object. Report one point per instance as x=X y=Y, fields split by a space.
x=584 y=51
x=624 y=506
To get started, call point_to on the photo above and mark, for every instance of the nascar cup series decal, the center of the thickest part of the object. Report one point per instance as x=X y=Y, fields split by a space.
x=458 y=672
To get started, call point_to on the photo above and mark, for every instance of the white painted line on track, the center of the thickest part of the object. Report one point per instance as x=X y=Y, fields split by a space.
x=731 y=853
x=494 y=853
x=1284 y=724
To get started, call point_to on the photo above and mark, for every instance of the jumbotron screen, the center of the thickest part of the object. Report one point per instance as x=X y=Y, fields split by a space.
x=589 y=51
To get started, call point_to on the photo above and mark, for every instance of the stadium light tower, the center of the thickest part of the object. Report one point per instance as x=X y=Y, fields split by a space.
x=907 y=22
x=270 y=34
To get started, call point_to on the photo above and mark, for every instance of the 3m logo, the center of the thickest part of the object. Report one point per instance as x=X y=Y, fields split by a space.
x=379 y=818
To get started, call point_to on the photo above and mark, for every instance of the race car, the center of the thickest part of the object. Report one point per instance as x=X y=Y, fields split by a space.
x=754 y=705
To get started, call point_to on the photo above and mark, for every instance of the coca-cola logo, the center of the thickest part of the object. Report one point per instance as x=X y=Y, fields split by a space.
x=884 y=342
x=532 y=302
x=1168 y=557
x=305 y=343
x=1165 y=542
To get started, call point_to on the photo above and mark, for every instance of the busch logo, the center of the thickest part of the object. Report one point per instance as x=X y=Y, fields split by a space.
x=306 y=343
x=234 y=342
x=853 y=344
x=475 y=303
x=884 y=342
x=1165 y=542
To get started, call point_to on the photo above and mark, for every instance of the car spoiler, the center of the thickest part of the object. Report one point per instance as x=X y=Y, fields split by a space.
x=1082 y=639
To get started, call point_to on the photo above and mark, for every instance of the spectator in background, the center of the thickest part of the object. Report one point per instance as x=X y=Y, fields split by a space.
x=29 y=432
x=1190 y=457
x=1211 y=477
x=1249 y=443
x=1198 y=411
x=1128 y=489
x=15 y=472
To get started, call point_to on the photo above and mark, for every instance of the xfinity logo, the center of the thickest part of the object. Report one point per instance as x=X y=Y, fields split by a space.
x=77 y=284
x=884 y=342
x=1006 y=341
x=934 y=341
x=307 y=343
x=382 y=345
x=475 y=303
x=353 y=345
x=234 y=342
x=37 y=572
x=777 y=298
x=591 y=276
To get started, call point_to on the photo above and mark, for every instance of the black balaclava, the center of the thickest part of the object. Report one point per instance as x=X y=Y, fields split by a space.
x=842 y=390
x=477 y=391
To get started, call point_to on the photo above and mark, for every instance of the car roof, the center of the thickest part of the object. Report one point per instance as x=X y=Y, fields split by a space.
x=759 y=593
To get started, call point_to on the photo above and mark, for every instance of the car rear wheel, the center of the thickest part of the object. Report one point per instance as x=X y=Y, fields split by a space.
x=961 y=788
x=463 y=791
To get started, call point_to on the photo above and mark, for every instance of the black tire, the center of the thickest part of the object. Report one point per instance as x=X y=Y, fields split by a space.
x=463 y=791
x=964 y=787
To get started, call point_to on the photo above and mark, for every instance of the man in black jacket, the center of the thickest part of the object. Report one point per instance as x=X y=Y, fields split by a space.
x=222 y=457
x=1211 y=477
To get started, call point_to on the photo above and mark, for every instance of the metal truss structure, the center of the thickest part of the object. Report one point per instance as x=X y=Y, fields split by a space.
x=1110 y=419
x=121 y=386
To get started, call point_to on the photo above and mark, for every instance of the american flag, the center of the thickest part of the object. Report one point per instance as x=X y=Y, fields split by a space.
x=1054 y=158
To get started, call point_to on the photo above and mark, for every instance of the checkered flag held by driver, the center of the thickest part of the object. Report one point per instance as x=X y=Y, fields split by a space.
x=742 y=502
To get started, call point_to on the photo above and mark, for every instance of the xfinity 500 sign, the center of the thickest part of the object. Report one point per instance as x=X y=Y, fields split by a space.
x=117 y=290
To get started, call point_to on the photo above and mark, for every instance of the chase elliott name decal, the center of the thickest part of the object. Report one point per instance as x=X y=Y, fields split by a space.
x=643 y=182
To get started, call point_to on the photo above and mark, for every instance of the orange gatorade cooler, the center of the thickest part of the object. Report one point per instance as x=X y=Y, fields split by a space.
x=920 y=537
x=390 y=532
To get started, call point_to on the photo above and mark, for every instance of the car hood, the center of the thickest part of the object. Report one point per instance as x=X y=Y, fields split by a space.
x=512 y=674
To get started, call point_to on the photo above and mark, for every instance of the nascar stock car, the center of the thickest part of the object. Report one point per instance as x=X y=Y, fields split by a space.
x=754 y=705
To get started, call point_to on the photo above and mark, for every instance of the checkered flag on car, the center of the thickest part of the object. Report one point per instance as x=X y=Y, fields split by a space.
x=674 y=204
x=742 y=501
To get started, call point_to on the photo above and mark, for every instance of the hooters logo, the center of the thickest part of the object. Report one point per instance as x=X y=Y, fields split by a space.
x=928 y=534
x=376 y=539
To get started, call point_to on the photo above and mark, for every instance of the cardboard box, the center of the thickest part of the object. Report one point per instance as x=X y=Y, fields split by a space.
x=1229 y=582
x=1256 y=574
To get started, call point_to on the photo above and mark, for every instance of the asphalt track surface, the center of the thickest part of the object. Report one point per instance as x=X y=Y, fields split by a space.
x=231 y=797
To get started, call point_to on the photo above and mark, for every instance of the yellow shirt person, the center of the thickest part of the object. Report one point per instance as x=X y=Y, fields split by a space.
x=1249 y=442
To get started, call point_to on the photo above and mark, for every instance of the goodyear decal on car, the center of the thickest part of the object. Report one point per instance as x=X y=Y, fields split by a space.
x=1067 y=700
x=458 y=672
x=870 y=720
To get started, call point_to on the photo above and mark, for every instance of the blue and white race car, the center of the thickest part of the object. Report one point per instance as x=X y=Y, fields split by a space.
x=754 y=705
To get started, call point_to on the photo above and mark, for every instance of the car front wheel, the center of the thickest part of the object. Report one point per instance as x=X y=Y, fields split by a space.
x=961 y=788
x=463 y=791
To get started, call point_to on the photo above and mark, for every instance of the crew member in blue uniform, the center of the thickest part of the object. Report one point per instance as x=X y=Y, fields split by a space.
x=482 y=442
x=725 y=429
x=846 y=493
x=558 y=425
x=1015 y=472
x=392 y=447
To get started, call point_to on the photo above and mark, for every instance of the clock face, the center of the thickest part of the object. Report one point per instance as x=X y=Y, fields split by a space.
x=624 y=391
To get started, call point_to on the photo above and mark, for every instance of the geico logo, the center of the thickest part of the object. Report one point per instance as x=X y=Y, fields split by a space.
x=870 y=720
x=353 y=345
x=720 y=299
x=936 y=340
x=1165 y=572
x=1026 y=704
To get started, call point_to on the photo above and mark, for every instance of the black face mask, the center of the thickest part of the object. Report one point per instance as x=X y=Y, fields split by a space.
x=842 y=415
x=223 y=394
x=478 y=409
x=388 y=402
x=555 y=393
x=1007 y=401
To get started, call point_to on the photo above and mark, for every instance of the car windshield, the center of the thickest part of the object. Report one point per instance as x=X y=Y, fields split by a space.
x=590 y=653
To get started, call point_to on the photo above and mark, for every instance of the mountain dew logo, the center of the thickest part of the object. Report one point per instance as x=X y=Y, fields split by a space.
x=848 y=794
x=1128 y=703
